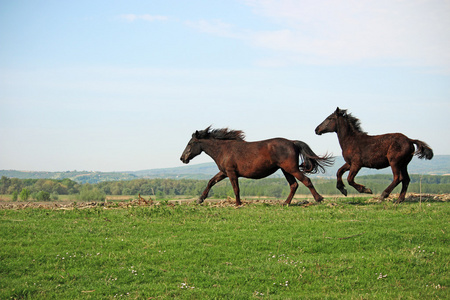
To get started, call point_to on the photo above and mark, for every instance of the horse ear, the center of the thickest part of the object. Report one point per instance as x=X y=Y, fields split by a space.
x=341 y=112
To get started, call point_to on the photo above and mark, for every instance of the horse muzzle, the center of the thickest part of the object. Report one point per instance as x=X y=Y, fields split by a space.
x=184 y=159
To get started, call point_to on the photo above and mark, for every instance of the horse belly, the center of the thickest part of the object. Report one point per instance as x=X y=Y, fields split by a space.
x=381 y=164
x=256 y=169
x=374 y=151
x=374 y=161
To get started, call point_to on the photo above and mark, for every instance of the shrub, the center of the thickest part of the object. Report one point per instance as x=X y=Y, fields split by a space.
x=88 y=193
x=24 y=195
x=43 y=196
x=15 y=195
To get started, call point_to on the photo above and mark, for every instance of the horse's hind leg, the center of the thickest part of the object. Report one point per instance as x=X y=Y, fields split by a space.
x=351 y=181
x=405 y=182
x=234 y=182
x=340 y=184
x=293 y=185
x=397 y=178
x=218 y=177
x=307 y=182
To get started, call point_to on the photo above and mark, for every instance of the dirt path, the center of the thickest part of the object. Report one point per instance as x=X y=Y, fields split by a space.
x=70 y=205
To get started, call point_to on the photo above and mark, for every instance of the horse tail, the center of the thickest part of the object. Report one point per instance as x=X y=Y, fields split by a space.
x=312 y=163
x=423 y=150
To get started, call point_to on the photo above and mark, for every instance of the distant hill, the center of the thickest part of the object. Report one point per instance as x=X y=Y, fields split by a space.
x=439 y=165
x=78 y=176
x=191 y=171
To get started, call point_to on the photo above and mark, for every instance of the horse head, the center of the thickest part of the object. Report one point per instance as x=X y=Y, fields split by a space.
x=192 y=149
x=330 y=123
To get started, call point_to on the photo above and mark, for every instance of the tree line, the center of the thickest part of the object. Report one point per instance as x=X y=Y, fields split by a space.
x=50 y=189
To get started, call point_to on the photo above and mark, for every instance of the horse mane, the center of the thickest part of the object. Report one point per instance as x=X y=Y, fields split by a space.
x=353 y=121
x=220 y=134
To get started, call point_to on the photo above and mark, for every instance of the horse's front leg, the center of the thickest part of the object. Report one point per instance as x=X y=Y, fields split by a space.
x=235 y=183
x=351 y=180
x=218 y=177
x=340 y=184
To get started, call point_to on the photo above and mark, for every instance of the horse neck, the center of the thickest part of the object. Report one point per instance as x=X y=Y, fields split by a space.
x=345 y=133
x=214 y=148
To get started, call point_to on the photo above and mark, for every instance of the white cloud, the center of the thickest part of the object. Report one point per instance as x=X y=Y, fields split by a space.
x=216 y=27
x=410 y=32
x=145 y=17
x=413 y=32
x=386 y=32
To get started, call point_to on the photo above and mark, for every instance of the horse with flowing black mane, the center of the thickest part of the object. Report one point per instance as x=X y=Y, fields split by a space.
x=372 y=151
x=236 y=157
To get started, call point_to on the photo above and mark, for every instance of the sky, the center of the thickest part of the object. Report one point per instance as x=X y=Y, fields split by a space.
x=121 y=85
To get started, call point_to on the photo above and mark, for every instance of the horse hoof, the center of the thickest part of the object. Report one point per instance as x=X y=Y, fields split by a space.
x=320 y=199
x=200 y=201
x=344 y=192
x=399 y=200
x=367 y=191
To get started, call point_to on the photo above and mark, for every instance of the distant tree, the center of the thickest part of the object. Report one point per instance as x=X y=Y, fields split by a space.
x=4 y=184
x=160 y=194
x=90 y=193
x=116 y=189
x=276 y=191
x=24 y=194
x=69 y=186
x=15 y=195
x=126 y=191
x=43 y=196
x=15 y=185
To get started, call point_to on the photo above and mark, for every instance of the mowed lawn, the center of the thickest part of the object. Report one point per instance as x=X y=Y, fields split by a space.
x=345 y=248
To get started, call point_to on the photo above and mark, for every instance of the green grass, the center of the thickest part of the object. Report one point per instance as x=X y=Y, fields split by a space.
x=347 y=249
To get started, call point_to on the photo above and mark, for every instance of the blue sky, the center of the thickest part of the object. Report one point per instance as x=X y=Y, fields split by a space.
x=121 y=85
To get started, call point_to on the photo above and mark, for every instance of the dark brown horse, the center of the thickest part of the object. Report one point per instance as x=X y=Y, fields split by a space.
x=237 y=158
x=372 y=151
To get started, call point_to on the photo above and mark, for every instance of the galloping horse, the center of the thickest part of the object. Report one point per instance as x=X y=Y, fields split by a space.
x=237 y=158
x=372 y=151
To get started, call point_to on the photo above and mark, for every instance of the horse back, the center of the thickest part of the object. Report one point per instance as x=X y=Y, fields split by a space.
x=379 y=151
x=258 y=159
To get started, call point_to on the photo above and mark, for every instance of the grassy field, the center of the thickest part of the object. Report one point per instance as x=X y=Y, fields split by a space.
x=342 y=249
